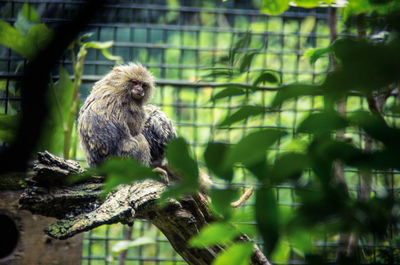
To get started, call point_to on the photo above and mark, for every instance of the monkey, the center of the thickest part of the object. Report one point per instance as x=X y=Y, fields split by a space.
x=112 y=118
x=116 y=121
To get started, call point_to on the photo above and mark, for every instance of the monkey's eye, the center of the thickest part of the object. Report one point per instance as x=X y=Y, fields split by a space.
x=145 y=86
x=134 y=82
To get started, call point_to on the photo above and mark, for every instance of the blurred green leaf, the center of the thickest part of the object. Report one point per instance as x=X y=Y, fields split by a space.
x=228 y=92
x=354 y=8
x=246 y=61
x=181 y=161
x=60 y=97
x=295 y=90
x=274 y=7
x=316 y=53
x=63 y=90
x=393 y=108
x=112 y=57
x=98 y=44
x=126 y=244
x=307 y=3
x=364 y=66
x=252 y=148
x=289 y=166
x=214 y=234
x=8 y=127
x=9 y=122
x=221 y=201
x=26 y=19
x=281 y=252
x=267 y=218
x=84 y=36
x=241 y=114
x=123 y=171
x=377 y=128
x=242 y=43
x=214 y=156
x=266 y=77
x=7 y=136
x=40 y=35
x=15 y=40
x=301 y=241
x=322 y=123
x=237 y=254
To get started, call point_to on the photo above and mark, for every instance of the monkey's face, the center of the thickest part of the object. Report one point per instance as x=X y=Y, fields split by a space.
x=138 y=89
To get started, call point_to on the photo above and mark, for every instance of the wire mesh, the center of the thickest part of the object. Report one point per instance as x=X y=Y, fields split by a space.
x=180 y=42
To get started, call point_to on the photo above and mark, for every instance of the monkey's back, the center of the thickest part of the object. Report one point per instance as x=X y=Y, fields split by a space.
x=158 y=130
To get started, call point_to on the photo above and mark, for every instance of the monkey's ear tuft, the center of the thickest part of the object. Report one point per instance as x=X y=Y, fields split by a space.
x=116 y=70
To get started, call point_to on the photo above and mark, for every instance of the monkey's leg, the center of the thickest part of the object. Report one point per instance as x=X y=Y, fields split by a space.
x=136 y=147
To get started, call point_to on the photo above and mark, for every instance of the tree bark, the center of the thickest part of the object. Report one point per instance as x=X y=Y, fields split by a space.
x=79 y=208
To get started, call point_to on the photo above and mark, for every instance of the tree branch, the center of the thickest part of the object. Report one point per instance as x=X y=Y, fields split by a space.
x=79 y=208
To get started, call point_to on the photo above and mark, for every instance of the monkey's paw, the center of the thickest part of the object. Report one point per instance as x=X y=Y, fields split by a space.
x=162 y=173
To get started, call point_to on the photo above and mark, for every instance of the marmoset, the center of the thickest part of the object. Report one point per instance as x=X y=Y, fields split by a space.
x=114 y=120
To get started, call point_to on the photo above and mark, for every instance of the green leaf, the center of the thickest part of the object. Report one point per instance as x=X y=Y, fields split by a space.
x=98 y=44
x=322 y=123
x=179 y=159
x=214 y=234
x=246 y=61
x=112 y=57
x=266 y=77
x=84 y=36
x=241 y=114
x=228 y=92
x=296 y=90
x=267 y=216
x=301 y=241
x=274 y=7
x=252 y=148
x=377 y=128
x=8 y=127
x=27 y=18
x=243 y=42
x=7 y=136
x=289 y=166
x=123 y=171
x=40 y=35
x=221 y=201
x=125 y=244
x=15 y=40
x=63 y=90
x=282 y=252
x=219 y=73
x=316 y=53
x=214 y=156
x=9 y=122
x=29 y=13
x=237 y=254
x=393 y=108
x=60 y=96
x=307 y=3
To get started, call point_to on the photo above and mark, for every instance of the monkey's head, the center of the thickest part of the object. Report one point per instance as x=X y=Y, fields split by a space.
x=133 y=81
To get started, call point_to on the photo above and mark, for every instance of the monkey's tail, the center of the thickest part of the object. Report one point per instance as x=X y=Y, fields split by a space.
x=245 y=196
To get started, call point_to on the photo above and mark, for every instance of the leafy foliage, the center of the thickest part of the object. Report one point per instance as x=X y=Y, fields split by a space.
x=28 y=36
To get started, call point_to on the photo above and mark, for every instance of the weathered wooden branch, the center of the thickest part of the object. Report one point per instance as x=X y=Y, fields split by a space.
x=80 y=208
